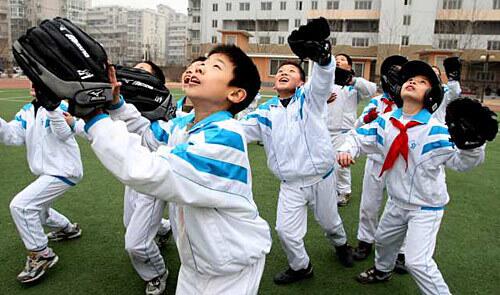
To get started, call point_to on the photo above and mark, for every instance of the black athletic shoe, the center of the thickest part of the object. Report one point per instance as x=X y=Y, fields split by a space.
x=400 y=267
x=344 y=254
x=362 y=251
x=291 y=276
x=373 y=275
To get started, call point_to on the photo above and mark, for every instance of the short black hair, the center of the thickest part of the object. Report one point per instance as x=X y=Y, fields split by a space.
x=157 y=72
x=301 y=70
x=245 y=74
x=199 y=58
x=349 y=59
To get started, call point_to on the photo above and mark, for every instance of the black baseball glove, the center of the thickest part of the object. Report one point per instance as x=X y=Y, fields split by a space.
x=146 y=92
x=63 y=62
x=453 y=68
x=310 y=41
x=343 y=77
x=470 y=124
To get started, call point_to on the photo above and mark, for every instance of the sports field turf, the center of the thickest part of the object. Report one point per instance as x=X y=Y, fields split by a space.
x=468 y=251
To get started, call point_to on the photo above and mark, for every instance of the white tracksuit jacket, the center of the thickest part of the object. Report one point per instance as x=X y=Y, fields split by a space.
x=423 y=184
x=205 y=173
x=296 y=140
x=452 y=91
x=380 y=107
x=50 y=143
x=342 y=112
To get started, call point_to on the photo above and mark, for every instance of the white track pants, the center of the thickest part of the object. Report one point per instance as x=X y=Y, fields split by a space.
x=142 y=219
x=420 y=228
x=31 y=210
x=343 y=175
x=372 y=198
x=291 y=219
x=245 y=282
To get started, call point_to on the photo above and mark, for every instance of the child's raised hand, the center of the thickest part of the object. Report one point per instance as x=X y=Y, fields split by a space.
x=70 y=120
x=114 y=84
x=345 y=159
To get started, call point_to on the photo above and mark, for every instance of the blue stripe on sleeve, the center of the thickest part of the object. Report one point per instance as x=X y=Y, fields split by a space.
x=262 y=120
x=224 y=137
x=371 y=131
x=211 y=166
x=439 y=130
x=94 y=120
x=63 y=106
x=381 y=122
x=380 y=139
x=436 y=145
x=118 y=105
x=159 y=133
x=373 y=101
x=23 y=122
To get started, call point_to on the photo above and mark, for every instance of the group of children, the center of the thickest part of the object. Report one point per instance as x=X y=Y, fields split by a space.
x=198 y=163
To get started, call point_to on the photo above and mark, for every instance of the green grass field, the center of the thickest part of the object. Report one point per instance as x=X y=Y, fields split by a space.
x=467 y=250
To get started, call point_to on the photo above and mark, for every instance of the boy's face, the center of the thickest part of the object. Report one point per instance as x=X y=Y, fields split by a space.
x=144 y=66
x=342 y=62
x=415 y=88
x=210 y=81
x=287 y=79
x=32 y=92
x=186 y=76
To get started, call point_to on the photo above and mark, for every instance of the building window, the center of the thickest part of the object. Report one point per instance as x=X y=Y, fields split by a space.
x=298 y=5
x=281 y=40
x=297 y=22
x=359 y=68
x=406 y=20
x=265 y=40
x=448 y=44
x=214 y=39
x=360 y=42
x=229 y=6
x=485 y=76
x=496 y=4
x=231 y=40
x=333 y=41
x=195 y=48
x=266 y=5
x=332 y=5
x=314 y=5
x=363 y=5
x=195 y=35
x=493 y=45
x=405 y=40
x=215 y=7
x=214 y=23
x=452 y=4
x=196 y=19
x=244 y=6
x=407 y=2
x=283 y=5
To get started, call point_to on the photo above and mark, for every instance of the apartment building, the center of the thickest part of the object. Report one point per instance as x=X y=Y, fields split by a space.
x=176 y=40
x=368 y=30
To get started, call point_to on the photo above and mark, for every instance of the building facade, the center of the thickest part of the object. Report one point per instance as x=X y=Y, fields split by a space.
x=5 y=38
x=368 y=30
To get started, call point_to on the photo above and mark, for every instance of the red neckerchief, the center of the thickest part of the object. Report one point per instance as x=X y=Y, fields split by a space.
x=399 y=145
x=389 y=104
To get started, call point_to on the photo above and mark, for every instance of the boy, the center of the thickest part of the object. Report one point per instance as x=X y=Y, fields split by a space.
x=292 y=129
x=203 y=170
x=184 y=105
x=342 y=116
x=54 y=156
x=415 y=182
x=373 y=186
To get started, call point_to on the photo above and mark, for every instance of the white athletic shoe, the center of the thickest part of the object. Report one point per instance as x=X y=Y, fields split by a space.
x=60 y=235
x=157 y=285
x=36 y=266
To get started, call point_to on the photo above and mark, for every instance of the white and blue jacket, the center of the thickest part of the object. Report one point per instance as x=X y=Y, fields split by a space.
x=452 y=91
x=50 y=144
x=430 y=150
x=342 y=112
x=204 y=173
x=380 y=106
x=295 y=138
